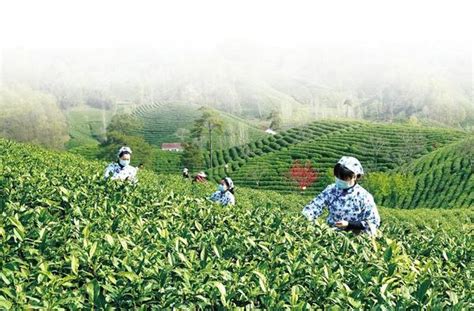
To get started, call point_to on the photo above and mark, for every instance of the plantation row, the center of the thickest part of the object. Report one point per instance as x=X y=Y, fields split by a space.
x=443 y=178
x=379 y=148
x=161 y=121
x=237 y=156
x=71 y=240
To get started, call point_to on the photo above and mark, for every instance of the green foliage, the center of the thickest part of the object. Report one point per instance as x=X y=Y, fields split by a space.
x=192 y=157
x=167 y=162
x=276 y=120
x=126 y=124
x=99 y=99
x=69 y=239
x=183 y=134
x=443 y=178
x=89 y=151
x=86 y=126
x=32 y=116
x=208 y=124
x=390 y=187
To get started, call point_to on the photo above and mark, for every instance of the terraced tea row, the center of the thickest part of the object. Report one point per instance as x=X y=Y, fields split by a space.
x=443 y=178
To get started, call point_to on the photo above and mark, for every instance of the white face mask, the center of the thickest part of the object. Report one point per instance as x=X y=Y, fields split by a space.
x=341 y=184
x=124 y=162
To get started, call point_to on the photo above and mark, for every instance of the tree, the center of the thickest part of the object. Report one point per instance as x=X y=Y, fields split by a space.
x=348 y=104
x=142 y=151
x=209 y=123
x=98 y=99
x=32 y=116
x=276 y=121
x=303 y=175
x=377 y=146
x=182 y=134
x=413 y=120
x=125 y=124
x=192 y=157
x=390 y=187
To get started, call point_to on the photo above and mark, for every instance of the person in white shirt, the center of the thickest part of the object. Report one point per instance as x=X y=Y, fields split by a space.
x=225 y=193
x=122 y=170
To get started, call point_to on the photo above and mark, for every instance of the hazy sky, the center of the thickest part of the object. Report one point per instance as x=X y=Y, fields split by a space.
x=203 y=24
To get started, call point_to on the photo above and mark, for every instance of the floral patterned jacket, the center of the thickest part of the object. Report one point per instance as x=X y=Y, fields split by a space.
x=116 y=171
x=224 y=198
x=354 y=205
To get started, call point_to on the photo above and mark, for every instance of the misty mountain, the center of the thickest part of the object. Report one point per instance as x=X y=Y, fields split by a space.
x=380 y=82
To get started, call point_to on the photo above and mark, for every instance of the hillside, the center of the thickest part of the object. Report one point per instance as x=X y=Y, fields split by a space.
x=162 y=122
x=86 y=126
x=71 y=240
x=443 y=178
x=380 y=147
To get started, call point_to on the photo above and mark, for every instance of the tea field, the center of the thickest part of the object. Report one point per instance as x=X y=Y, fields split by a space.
x=162 y=122
x=70 y=240
x=264 y=164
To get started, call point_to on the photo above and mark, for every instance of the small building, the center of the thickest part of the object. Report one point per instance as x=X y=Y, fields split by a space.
x=175 y=147
x=270 y=131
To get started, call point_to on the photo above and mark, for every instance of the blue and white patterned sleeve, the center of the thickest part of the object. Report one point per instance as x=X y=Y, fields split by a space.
x=215 y=196
x=132 y=175
x=109 y=171
x=370 y=215
x=314 y=209
x=228 y=199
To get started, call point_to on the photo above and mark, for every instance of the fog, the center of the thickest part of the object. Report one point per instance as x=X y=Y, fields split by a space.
x=303 y=58
x=203 y=24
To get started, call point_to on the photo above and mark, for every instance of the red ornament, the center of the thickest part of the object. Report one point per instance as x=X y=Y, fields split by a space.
x=303 y=175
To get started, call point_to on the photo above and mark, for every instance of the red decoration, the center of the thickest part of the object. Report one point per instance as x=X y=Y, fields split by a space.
x=303 y=175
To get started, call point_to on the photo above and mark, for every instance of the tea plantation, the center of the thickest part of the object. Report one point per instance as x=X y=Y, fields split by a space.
x=70 y=240
x=162 y=121
x=380 y=147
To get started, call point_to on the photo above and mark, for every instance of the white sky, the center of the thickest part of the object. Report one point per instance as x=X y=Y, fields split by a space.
x=205 y=23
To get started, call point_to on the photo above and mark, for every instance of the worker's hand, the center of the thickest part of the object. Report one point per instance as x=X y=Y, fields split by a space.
x=342 y=224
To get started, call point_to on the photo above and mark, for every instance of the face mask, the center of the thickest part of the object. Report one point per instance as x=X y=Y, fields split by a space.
x=124 y=162
x=221 y=188
x=341 y=184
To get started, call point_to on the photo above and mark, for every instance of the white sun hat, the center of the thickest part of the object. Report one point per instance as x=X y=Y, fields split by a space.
x=124 y=149
x=229 y=182
x=352 y=164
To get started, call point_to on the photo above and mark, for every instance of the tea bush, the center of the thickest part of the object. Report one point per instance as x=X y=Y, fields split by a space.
x=71 y=240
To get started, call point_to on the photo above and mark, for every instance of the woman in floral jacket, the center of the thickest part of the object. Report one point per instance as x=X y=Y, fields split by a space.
x=350 y=206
